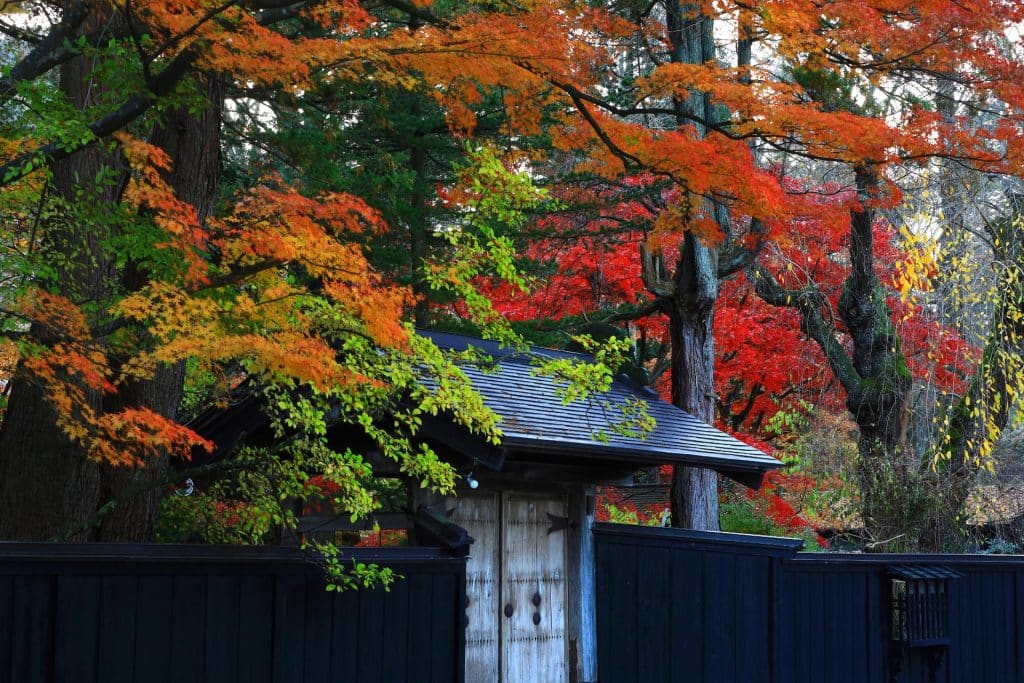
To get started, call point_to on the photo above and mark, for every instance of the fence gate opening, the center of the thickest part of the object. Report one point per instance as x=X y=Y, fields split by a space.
x=516 y=586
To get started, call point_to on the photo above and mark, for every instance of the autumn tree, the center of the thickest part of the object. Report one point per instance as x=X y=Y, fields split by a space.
x=130 y=263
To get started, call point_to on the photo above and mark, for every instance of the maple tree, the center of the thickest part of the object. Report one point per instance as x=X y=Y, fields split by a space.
x=132 y=264
x=842 y=88
x=135 y=269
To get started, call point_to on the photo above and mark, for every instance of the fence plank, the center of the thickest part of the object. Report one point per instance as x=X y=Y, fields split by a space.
x=255 y=628
x=654 y=627
x=317 y=641
x=828 y=602
x=686 y=610
x=7 y=623
x=121 y=612
x=397 y=633
x=371 y=633
x=620 y=569
x=720 y=616
x=1019 y=613
x=827 y=620
x=856 y=629
x=445 y=601
x=76 y=632
x=31 y=656
x=783 y=626
x=222 y=628
x=753 y=619
x=153 y=627
x=118 y=607
x=289 y=629
x=420 y=600
x=345 y=636
x=188 y=637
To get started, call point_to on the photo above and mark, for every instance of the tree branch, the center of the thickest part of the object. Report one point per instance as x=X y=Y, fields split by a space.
x=132 y=108
x=735 y=257
x=49 y=52
x=809 y=302
x=652 y=271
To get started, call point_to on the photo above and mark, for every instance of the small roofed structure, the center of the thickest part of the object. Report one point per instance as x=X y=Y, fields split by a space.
x=528 y=503
x=538 y=427
x=531 y=600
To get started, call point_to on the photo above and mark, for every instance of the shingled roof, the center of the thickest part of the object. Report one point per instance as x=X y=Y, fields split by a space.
x=534 y=418
x=536 y=426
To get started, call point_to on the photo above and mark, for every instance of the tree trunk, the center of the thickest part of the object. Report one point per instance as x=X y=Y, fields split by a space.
x=692 y=304
x=694 y=490
x=874 y=375
x=46 y=483
x=48 y=487
x=192 y=140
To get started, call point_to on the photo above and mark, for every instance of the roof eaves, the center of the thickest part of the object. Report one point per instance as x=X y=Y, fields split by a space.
x=643 y=454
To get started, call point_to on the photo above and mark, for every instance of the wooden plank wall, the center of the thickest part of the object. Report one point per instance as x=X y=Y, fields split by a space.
x=683 y=610
x=223 y=619
x=720 y=608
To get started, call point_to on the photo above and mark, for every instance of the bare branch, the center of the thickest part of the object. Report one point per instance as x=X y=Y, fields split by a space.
x=809 y=301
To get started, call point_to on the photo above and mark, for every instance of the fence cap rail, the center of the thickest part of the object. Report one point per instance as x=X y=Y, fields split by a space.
x=700 y=538
x=831 y=561
x=214 y=554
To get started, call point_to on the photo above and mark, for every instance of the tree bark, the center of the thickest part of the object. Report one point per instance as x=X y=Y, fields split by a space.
x=691 y=320
x=692 y=303
x=192 y=140
x=46 y=482
x=894 y=498
x=48 y=486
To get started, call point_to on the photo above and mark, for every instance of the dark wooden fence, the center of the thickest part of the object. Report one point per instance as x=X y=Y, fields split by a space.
x=727 y=608
x=112 y=613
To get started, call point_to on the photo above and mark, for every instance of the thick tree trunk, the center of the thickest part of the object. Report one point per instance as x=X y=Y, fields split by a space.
x=192 y=140
x=46 y=483
x=48 y=487
x=875 y=377
x=694 y=490
x=692 y=304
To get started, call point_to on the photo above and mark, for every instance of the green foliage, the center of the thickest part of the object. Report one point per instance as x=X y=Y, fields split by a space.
x=492 y=199
x=740 y=515
x=344 y=575
x=205 y=518
x=617 y=515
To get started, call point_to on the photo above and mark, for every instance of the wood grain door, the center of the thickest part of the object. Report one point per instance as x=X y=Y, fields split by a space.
x=479 y=514
x=533 y=590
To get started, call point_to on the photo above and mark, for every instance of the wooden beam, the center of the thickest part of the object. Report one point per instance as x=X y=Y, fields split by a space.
x=383 y=520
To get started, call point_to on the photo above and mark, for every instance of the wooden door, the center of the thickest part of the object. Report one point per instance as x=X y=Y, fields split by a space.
x=479 y=514
x=533 y=591
x=515 y=587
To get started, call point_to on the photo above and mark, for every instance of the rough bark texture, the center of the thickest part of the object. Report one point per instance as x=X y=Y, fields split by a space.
x=192 y=140
x=692 y=304
x=691 y=318
x=47 y=485
x=898 y=491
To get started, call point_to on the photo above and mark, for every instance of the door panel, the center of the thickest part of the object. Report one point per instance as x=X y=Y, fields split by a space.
x=533 y=591
x=479 y=515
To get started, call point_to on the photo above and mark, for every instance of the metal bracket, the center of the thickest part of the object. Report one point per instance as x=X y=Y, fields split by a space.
x=559 y=523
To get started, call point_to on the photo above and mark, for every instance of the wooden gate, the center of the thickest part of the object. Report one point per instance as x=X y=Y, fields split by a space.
x=516 y=587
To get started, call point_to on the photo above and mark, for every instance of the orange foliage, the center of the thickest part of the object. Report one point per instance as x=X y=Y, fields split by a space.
x=244 y=296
